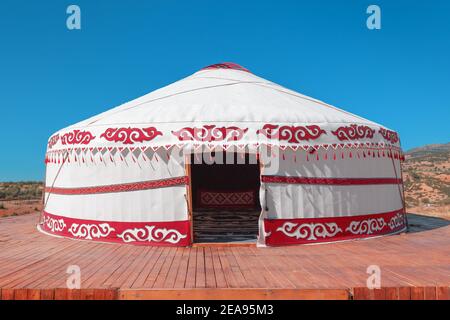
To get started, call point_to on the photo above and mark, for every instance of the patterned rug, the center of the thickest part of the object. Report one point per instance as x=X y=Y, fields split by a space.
x=225 y=226
x=226 y=199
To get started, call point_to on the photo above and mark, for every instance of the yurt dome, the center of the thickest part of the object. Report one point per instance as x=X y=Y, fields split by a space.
x=145 y=173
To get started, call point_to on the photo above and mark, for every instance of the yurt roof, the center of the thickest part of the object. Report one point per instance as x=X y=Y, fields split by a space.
x=223 y=96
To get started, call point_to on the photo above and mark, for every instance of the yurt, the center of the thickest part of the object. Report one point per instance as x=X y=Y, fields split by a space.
x=223 y=156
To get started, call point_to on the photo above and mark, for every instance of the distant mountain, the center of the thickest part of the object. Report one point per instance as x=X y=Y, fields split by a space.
x=426 y=174
x=429 y=150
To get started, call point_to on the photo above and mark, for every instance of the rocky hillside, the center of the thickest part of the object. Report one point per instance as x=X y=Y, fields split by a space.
x=426 y=173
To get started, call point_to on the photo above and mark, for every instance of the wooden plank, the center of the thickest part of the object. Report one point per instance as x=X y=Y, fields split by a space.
x=33 y=294
x=111 y=294
x=147 y=268
x=391 y=293
x=404 y=293
x=430 y=293
x=47 y=294
x=180 y=279
x=20 y=294
x=200 y=277
x=234 y=294
x=417 y=293
x=378 y=294
x=159 y=272
x=87 y=294
x=209 y=269
x=191 y=270
x=7 y=294
x=361 y=293
x=218 y=271
x=443 y=293
x=74 y=294
x=60 y=294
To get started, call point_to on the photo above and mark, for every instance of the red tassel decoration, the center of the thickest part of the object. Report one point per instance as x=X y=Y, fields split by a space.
x=350 y=155
x=317 y=156
x=325 y=157
x=334 y=156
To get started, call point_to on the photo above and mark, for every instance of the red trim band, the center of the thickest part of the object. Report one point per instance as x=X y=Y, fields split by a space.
x=125 y=187
x=312 y=230
x=330 y=181
x=168 y=233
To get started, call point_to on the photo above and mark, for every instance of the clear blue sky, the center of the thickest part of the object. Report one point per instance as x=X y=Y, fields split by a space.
x=51 y=77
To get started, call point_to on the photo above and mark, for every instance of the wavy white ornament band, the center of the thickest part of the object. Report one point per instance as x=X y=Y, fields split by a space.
x=278 y=231
x=301 y=231
x=171 y=233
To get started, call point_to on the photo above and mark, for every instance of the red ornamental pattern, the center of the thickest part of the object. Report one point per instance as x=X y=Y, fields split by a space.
x=291 y=134
x=278 y=231
x=125 y=187
x=77 y=137
x=389 y=135
x=226 y=199
x=209 y=133
x=313 y=230
x=130 y=135
x=353 y=132
x=53 y=140
x=170 y=233
x=329 y=181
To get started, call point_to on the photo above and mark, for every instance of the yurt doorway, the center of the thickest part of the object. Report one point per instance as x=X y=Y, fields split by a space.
x=225 y=197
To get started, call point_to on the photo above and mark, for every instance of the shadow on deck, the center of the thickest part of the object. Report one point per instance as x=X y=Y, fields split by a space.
x=419 y=223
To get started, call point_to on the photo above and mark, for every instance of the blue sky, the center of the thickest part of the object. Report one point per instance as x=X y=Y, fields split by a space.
x=51 y=77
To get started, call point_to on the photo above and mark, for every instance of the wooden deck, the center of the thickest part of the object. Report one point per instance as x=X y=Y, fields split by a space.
x=33 y=266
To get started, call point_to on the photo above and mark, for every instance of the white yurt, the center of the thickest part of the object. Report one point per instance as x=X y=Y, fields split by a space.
x=223 y=156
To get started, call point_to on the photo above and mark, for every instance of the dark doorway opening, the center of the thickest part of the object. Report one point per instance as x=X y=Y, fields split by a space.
x=225 y=198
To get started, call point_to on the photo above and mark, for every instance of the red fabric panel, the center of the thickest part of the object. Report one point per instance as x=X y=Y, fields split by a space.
x=168 y=233
x=312 y=230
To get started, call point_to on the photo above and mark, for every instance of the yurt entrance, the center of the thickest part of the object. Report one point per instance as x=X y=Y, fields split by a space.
x=225 y=197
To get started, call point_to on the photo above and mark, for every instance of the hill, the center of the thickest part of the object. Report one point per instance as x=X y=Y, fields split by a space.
x=426 y=173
